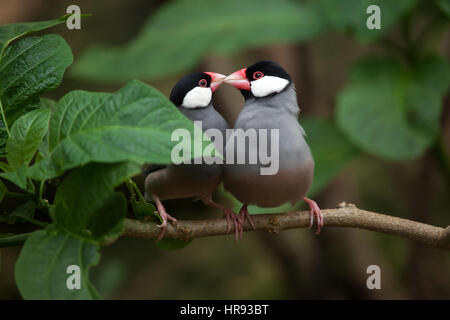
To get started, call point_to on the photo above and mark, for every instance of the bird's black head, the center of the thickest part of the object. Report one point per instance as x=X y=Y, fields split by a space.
x=259 y=80
x=195 y=90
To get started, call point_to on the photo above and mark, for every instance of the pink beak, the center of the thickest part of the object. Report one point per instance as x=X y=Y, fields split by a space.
x=238 y=80
x=216 y=80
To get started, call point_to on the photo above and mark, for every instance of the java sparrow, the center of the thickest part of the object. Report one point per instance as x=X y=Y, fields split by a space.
x=192 y=95
x=271 y=103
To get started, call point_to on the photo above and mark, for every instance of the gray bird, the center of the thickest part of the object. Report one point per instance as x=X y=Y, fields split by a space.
x=192 y=95
x=270 y=103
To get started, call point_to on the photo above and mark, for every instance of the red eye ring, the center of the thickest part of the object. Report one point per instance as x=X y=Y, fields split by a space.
x=203 y=83
x=258 y=75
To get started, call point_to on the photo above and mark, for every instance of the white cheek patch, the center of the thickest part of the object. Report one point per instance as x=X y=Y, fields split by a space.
x=268 y=85
x=197 y=97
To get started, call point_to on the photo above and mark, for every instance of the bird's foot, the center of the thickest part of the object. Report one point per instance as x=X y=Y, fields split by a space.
x=233 y=219
x=243 y=214
x=164 y=216
x=314 y=212
x=163 y=226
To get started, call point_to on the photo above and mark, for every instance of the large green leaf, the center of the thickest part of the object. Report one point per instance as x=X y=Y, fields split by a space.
x=41 y=270
x=26 y=136
x=343 y=15
x=12 y=116
x=391 y=111
x=32 y=66
x=86 y=204
x=133 y=124
x=18 y=176
x=181 y=32
x=28 y=68
x=11 y=32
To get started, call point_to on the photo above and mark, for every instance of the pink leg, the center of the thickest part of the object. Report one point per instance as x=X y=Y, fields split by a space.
x=231 y=217
x=243 y=213
x=164 y=216
x=315 y=212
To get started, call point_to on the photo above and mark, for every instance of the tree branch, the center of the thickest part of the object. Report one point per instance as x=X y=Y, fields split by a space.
x=346 y=215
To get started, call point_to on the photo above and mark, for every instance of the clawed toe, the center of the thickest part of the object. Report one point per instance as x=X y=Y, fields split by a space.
x=244 y=214
x=314 y=212
x=163 y=227
x=232 y=218
x=164 y=216
x=172 y=219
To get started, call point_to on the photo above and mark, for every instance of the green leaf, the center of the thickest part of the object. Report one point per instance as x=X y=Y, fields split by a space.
x=26 y=136
x=180 y=33
x=18 y=177
x=43 y=147
x=11 y=32
x=28 y=68
x=115 y=231
x=133 y=124
x=143 y=210
x=5 y=167
x=32 y=66
x=342 y=15
x=86 y=204
x=444 y=5
x=331 y=150
x=394 y=112
x=12 y=116
x=24 y=211
x=41 y=269
x=3 y=190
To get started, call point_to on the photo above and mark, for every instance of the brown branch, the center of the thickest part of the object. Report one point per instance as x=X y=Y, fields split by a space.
x=346 y=215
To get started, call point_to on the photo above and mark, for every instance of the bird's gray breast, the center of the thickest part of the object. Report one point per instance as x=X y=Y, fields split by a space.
x=278 y=115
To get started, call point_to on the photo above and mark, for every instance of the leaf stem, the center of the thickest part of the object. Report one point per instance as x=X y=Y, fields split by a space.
x=17 y=195
x=130 y=190
x=13 y=240
x=41 y=188
x=133 y=188
x=36 y=222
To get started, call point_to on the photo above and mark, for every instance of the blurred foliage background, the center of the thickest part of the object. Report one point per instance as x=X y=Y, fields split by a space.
x=375 y=106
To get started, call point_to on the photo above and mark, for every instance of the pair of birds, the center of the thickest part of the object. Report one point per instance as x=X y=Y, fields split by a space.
x=270 y=103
